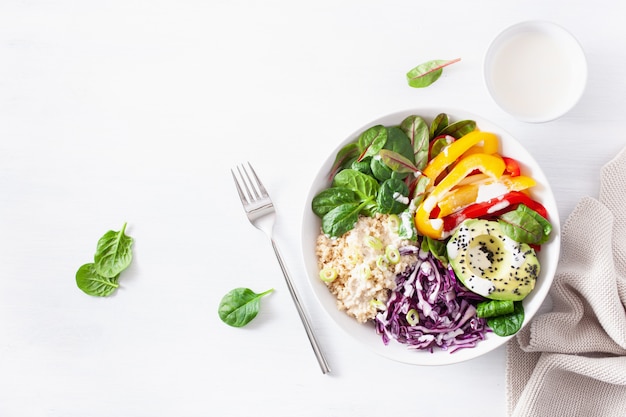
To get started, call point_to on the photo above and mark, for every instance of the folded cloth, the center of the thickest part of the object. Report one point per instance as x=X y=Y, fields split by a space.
x=571 y=361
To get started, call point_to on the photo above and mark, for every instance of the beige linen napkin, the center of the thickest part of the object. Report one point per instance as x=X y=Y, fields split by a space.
x=571 y=361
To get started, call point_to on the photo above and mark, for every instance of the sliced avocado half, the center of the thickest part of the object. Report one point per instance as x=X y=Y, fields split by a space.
x=490 y=263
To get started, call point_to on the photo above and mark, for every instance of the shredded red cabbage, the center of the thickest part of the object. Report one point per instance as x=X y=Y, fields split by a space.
x=446 y=309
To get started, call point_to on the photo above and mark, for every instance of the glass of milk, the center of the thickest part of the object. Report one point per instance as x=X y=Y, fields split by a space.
x=536 y=71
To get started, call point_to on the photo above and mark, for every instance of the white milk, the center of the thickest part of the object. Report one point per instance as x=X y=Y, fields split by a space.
x=534 y=75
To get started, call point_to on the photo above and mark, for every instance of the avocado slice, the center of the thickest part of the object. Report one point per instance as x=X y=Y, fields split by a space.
x=490 y=263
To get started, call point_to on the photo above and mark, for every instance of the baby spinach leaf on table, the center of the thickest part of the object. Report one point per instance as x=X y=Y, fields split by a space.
x=113 y=253
x=427 y=73
x=439 y=123
x=508 y=324
x=391 y=196
x=371 y=141
x=328 y=199
x=525 y=225
x=459 y=129
x=240 y=306
x=494 y=308
x=92 y=283
x=416 y=129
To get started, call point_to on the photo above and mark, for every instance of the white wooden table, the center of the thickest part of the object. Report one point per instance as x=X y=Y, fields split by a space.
x=134 y=111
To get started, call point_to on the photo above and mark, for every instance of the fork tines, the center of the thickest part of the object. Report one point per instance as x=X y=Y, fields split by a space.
x=248 y=180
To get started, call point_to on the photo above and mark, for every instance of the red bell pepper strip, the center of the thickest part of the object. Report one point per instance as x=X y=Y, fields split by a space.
x=511 y=166
x=493 y=208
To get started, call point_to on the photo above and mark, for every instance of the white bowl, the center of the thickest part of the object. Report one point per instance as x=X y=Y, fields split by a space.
x=366 y=333
x=536 y=71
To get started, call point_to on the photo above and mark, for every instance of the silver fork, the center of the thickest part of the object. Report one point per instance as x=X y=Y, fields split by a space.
x=261 y=213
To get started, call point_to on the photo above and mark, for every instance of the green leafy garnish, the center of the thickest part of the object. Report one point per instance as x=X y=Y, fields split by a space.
x=439 y=123
x=459 y=129
x=493 y=308
x=508 y=324
x=371 y=141
x=427 y=73
x=240 y=306
x=418 y=132
x=393 y=196
x=436 y=247
x=113 y=255
x=525 y=225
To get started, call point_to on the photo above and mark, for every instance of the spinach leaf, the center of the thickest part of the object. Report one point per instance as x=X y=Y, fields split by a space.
x=525 y=225
x=439 y=123
x=341 y=219
x=113 y=253
x=379 y=169
x=459 y=129
x=328 y=199
x=508 y=324
x=399 y=142
x=393 y=196
x=92 y=283
x=363 y=165
x=363 y=185
x=427 y=73
x=494 y=308
x=371 y=141
x=240 y=306
x=418 y=133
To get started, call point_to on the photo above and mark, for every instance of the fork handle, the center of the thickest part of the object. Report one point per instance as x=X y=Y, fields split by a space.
x=305 y=321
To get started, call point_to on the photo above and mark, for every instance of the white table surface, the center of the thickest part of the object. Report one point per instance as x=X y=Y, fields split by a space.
x=134 y=111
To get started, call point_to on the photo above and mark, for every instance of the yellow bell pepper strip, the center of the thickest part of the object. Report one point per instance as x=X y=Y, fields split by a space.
x=452 y=152
x=464 y=195
x=490 y=165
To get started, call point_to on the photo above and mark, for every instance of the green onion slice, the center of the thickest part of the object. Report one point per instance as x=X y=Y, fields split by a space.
x=394 y=223
x=412 y=317
x=382 y=263
x=393 y=254
x=379 y=305
x=328 y=274
x=373 y=242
